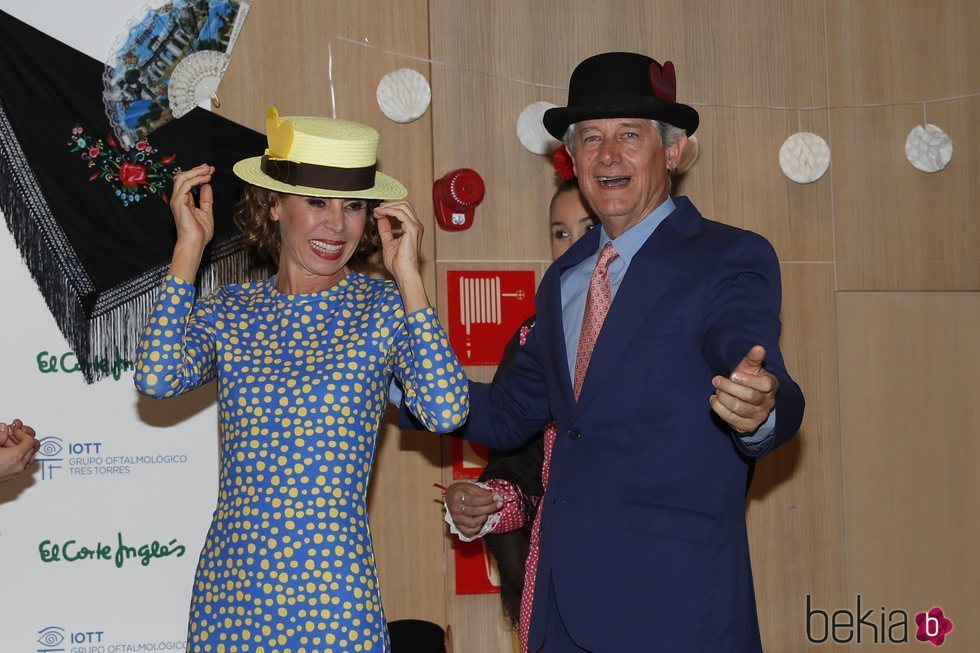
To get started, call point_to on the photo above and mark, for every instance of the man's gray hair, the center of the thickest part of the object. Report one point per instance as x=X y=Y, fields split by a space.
x=668 y=134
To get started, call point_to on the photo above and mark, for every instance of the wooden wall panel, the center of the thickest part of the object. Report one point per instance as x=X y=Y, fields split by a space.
x=909 y=425
x=485 y=52
x=885 y=51
x=482 y=135
x=899 y=228
x=724 y=53
x=737 y=180
x=794 y=509
x=760 y=53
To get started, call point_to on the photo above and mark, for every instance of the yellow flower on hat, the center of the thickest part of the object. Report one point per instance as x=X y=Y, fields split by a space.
x=280 y=134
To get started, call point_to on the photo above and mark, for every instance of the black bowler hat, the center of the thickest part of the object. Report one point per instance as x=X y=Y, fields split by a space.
x=621 y=85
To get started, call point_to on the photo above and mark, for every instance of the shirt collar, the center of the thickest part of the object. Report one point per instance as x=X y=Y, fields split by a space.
x=630 y=241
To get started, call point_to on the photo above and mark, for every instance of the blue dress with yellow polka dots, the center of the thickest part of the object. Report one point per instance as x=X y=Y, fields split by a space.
x=288 y=564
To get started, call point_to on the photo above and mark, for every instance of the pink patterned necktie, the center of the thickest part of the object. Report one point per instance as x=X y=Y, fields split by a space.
x=596 y=307
x=534 y=547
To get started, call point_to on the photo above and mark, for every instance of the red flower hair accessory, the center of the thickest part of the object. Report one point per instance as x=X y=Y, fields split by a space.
x=562 y=161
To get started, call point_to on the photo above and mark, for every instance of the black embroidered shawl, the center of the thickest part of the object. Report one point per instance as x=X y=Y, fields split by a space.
x=90 y=217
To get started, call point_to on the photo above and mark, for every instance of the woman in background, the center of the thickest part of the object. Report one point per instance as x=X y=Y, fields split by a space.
x=303 y=361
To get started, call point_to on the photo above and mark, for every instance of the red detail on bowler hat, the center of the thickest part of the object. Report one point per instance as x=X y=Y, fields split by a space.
x=664 y=81
x=562 y=161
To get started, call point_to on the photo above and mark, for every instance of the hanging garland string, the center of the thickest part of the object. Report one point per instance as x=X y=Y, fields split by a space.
x=365 y=43
x=804 y=156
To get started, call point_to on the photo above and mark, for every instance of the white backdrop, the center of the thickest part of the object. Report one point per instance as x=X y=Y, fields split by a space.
x=114 y=466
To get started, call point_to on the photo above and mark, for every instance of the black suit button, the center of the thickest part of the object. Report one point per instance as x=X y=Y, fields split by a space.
x=574 y=433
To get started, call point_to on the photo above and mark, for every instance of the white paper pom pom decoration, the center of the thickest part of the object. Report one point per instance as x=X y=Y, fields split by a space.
x=195 y=79
x=404 y=95
x=531 y=132
x=928 y=148
x=804 y=157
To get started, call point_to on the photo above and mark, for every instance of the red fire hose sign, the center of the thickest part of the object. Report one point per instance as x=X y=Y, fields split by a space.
x=476 y=570
x=485 y=309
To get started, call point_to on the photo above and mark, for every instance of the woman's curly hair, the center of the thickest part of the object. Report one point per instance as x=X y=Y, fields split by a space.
x=253 y=215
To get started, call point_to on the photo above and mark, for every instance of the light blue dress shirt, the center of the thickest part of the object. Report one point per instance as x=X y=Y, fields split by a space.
x=575 y=289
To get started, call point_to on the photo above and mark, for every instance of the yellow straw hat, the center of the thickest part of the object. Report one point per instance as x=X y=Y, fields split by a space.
x=320 y=157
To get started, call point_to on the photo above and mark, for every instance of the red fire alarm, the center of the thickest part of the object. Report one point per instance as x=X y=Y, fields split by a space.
x=455 y=197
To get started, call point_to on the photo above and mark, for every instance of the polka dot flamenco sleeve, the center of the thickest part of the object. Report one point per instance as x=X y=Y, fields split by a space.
x=433 y=380
x=176 y=351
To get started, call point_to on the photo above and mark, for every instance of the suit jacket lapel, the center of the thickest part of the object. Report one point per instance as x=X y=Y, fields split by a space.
x=650 y=273
x=550 y=310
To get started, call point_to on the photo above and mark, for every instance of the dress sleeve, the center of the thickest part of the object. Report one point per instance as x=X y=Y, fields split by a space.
x=433 y=380
x=176 y=351
x=513 y=515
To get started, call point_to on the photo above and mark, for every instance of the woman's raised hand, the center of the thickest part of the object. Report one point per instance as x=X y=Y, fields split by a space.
x=402 y=253
x=194 y=220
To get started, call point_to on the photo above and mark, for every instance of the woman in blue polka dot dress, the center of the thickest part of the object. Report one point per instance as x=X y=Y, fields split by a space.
x=303 y=362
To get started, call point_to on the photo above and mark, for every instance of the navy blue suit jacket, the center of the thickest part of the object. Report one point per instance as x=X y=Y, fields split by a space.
x=643 y=524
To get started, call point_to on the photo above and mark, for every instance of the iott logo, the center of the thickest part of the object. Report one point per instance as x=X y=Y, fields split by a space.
x=50 y=638
x=55 y=639
x=92 y=459
x=49 y=456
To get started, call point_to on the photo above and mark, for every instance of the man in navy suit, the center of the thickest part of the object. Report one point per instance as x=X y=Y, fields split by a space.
x=643 y=544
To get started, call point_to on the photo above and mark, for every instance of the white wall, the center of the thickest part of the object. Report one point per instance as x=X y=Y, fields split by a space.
x=92 y=605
